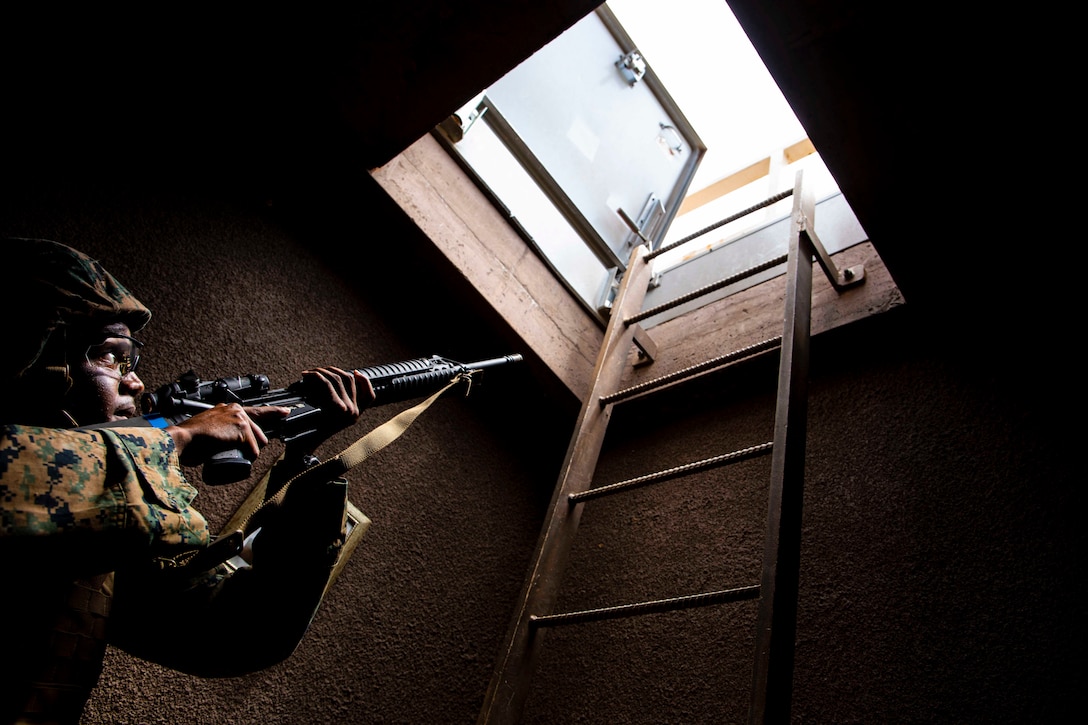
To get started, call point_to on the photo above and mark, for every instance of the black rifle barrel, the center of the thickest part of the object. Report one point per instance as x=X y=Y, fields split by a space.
x=428 y=363
x=400 y=381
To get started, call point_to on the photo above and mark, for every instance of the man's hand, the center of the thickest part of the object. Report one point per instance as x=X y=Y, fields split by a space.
x=227 y=426
x=341 y=396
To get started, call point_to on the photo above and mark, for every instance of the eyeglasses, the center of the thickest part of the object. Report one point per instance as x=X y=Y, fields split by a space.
x=116 y=352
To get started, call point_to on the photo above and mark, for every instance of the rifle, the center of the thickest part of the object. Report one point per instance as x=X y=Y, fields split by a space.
x=188 y=395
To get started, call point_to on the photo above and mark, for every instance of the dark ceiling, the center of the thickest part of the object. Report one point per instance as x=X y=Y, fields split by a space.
x=889 y=95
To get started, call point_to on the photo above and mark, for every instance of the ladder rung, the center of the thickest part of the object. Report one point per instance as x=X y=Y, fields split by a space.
x=705 y=290
x=670 y=473
x=660 y=605
x=722 y=360
x=739 y=215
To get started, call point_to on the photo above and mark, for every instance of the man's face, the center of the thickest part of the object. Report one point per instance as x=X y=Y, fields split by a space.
x=104 y=387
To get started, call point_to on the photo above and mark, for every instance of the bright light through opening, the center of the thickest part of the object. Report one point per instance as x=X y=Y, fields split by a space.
x=703 y=57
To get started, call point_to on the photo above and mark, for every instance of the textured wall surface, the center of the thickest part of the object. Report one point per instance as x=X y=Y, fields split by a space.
x=424 y=600
x=942 y=544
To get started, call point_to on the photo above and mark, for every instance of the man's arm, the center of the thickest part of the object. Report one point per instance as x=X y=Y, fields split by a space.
x=96 y=498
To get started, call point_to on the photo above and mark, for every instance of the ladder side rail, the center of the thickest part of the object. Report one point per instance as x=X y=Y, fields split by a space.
x=509 y=686
x=772 y=678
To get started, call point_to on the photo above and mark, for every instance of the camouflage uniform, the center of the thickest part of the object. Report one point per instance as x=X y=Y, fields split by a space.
x=93 y=525
x=97 y=532
x=72 y=504
x=74 y=507
x=75 y=486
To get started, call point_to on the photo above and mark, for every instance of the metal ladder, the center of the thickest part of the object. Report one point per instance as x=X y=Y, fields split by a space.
x=777 y=590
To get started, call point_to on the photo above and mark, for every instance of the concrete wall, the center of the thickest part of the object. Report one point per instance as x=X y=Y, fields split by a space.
x=940 y=549
x=942 y=544
x=235 y=287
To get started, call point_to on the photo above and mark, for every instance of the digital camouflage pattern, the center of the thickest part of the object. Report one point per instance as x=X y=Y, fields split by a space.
x=78 y=501
x=53 y=285
x=55 y=481
x=73 y=504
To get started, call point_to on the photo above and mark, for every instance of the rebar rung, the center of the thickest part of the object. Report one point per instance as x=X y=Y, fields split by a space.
x=670 y=473
x=692 y=370
x=739 y=215
x=705 y=290
x=661 y=605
